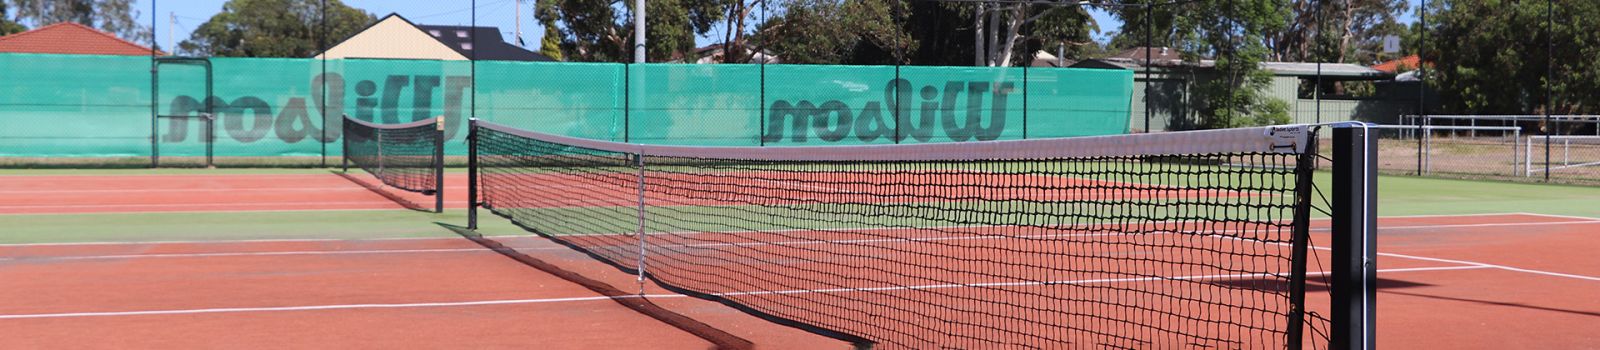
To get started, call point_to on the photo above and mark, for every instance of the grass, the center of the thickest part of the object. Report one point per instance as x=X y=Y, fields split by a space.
x=204 y=226
x=1399 y=195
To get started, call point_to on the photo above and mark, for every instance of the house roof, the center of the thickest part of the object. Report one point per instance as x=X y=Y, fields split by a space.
x=71 y=38
x=1159 y=56
x=489 y=46
x=1311 y=69
x=1408 y=63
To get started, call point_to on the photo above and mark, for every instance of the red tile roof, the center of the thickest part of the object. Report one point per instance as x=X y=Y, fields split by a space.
x=70 y=38
x=1408 y=63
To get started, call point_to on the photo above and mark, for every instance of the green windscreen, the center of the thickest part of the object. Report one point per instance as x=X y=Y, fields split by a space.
x=101 y=106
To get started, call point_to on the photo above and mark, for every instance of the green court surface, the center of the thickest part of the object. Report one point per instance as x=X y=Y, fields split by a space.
x=1399 y=195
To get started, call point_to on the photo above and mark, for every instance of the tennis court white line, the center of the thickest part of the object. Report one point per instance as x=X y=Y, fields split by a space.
x=1317 y=229
x=1083 y=281
x=246 y=241
x=191 y=190
x=310 y=205
x=725 y=294
x=230 y=211
x=1493 y=266
x=1476 y=264
x=697 y=245
x=279 y=253
x=1561 y=216
x=1380 y=228
x=321 y=307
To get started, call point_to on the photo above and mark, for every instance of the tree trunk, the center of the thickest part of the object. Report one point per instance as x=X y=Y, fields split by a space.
x=979 y=52
x=1013 y=25
x=994 y=33
x=1349 y=29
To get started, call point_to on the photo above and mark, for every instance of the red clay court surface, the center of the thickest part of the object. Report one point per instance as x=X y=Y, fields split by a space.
x=1500 y=281
x=185 y=193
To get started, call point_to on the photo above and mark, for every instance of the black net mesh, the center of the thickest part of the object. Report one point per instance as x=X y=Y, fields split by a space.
x=405 y=156
x=987 y=250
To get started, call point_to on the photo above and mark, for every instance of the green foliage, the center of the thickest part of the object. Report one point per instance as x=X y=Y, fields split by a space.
x=7 y=27
x=114 y=16
x=273 y=28
x=922 y=32
x=1348 y=31
x=550 y=45
x=836 y=32
x=602 y=30
x=1232 y=33
x=1492 y=56
x=1272 y=111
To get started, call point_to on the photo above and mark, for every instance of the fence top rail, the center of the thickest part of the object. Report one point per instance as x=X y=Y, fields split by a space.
x=1526 y=117
x=1447 y=127
x=1595 y=139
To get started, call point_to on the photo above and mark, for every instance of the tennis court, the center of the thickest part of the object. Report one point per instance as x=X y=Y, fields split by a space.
x=189 y=258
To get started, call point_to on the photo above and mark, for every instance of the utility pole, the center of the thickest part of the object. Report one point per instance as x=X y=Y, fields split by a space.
x=172 y=19
x=519 y=23
x=638 y=31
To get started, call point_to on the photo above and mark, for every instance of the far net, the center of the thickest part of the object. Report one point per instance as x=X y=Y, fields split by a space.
x=404 y=156
x=1133 y=241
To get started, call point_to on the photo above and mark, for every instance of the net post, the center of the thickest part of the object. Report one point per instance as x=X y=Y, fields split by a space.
x=438 y=165
x=344 y=142
x=639 y=159
x=1353 y=283
x=1305 y=167
x=211 y=137
x=472 y=173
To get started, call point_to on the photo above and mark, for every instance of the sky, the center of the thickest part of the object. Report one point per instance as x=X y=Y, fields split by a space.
x=498 y=13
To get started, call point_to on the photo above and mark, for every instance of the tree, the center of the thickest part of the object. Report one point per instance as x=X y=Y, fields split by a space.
x=602 y=30
x=550 y=44
x=273 y=28
x=7 y=27
x=835 y=32
x=1232 y=34
x=998 y=27
x=1491 y=57
x=1338 y=31
x=114 y=16
x=995 y=33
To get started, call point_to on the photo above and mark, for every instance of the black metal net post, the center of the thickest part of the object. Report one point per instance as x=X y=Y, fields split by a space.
x=1354 y=274
x=344 y=149
x=472 y=173
x=438 y=165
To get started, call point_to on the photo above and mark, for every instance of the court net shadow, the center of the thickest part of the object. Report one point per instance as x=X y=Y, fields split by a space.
x=635 y=302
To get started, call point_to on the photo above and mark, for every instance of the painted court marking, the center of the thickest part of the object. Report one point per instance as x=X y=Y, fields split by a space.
x=596 y=298
x=204 y=190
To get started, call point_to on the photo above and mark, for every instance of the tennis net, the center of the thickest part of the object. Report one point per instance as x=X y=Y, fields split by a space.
x=1131 y=241
x=406 y=156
